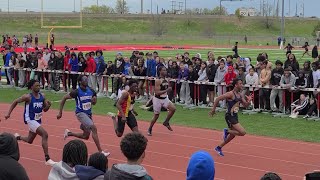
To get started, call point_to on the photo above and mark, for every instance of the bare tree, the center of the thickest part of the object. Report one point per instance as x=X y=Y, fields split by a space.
x=122 y=7
x=159 y=26
x=268 y=21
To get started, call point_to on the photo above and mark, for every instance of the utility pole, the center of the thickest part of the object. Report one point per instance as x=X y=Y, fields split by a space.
x=185 y=6
x=282 y=25
x=97 y=3
x=173 y=6
x=277 y=9
x=141 y=7
x=74 y=5
x=151 y=7
x=289 y=8
x=180 y=6
x=8 y=6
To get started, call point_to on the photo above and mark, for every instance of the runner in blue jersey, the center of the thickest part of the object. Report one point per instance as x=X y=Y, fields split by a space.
x=233 y=98
x=85 y=97
x=35 y=104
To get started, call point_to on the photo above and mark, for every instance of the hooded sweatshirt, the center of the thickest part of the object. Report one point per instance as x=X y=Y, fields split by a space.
x=10 y=168
x=219 y=77
x=127 y=172
x=228 y=77
x=62 y=171
x=276 y=76
x=201 y=166
x=287 y=82
x=88 y=173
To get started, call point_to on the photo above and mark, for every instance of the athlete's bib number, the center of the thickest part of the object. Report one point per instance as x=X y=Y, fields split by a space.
x=37 y=116
x=86 y=106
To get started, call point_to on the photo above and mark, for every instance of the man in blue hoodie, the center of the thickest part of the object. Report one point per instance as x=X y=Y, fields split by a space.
x=201 y=167
x=101 y=66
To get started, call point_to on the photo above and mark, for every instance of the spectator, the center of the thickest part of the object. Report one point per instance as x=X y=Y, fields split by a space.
x=252 y=79
x=276 y=75
x=133 y=146
x=184 y=89
x=140 y=70
x=75 y=152
x=203 y=88
x=10 y=168
x=97 y=166
x=300 y=106
x=91 y=68
x=293 y=63
x=270 y=176
x=264 y=94
x=101 y=66
x=74 y=68
x=229 y=76
x=287 y=82
x=219 y=78
x=211 y=73
x=201 y=167
x=119 y=68
x=59 y=67
x=307 y=73
x=315 y=53
x=312 y=176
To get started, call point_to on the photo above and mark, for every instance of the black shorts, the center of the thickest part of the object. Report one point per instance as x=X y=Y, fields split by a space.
x=231 y=119
x=131 y=122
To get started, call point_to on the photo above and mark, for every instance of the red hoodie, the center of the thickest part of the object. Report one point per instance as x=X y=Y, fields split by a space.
x=91 y=66
x=66 y=66
x=228 y=77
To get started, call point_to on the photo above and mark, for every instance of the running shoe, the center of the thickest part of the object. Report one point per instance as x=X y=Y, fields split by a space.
x=50 y=163
x=168 y=126
x=66 y=134
x=219 y=151
x=105 y=153
x=149 y=132
x=225 y=134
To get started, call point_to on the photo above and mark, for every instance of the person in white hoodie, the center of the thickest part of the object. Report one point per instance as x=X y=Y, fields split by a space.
x=287 y=81
x=219 y=78
x=75 y=152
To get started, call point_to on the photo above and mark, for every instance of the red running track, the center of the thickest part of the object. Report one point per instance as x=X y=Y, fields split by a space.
x=168 y=152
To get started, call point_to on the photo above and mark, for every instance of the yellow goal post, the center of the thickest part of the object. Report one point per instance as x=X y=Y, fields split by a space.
x=58 y=27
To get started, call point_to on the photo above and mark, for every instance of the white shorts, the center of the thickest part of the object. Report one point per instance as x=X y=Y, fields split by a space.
x=159 y=103
x=33 y=125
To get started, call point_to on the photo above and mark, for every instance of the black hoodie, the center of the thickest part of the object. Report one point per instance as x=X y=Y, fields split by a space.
x=276 y=76
x=10 y=168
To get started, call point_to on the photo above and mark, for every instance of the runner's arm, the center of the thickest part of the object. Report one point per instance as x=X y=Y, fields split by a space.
x=122 y=99
x=71 y=95
x=157 y=90
x=246 y=100
x=46 y=103
x=94 y=97
x=220 y=98
x=24 y=98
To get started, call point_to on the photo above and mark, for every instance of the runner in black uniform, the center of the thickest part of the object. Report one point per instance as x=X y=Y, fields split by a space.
x=289 y=49
x=306 y=49
x=161 y=100
x=233 y=98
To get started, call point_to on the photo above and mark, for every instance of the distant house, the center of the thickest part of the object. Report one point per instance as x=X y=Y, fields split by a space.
x=248 y=12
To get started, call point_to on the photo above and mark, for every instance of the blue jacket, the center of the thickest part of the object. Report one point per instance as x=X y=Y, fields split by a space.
x=8 y=57
x=126 y=69
x=151 y=68
x=101 y=65
x=74 y=64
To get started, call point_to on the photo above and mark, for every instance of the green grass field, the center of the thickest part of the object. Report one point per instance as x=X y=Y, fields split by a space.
x=133 y=29
x=274 y=54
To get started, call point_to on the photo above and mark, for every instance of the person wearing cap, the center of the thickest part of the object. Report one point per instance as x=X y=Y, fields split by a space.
x=201 y=166
x=119 y=68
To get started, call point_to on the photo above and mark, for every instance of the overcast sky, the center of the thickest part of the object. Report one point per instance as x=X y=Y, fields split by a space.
x=311 y=6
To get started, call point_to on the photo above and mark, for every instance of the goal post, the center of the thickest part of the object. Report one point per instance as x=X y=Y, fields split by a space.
x=52 y=27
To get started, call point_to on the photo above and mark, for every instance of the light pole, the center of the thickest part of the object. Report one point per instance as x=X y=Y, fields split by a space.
x=282 y=25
